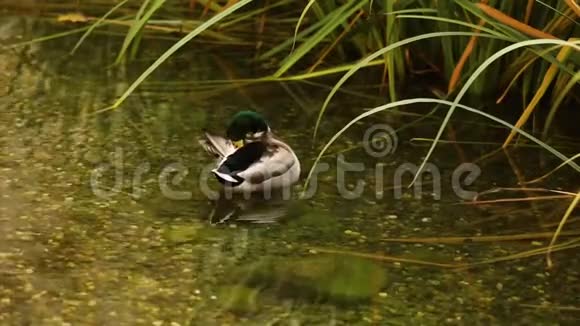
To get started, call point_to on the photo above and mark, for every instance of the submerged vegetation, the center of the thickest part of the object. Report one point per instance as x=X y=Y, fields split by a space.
x=423 y=60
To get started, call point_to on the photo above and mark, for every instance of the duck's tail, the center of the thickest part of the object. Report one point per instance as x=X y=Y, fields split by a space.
x=217 y=145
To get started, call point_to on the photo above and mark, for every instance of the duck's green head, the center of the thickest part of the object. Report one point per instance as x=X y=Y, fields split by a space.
x=246 y=126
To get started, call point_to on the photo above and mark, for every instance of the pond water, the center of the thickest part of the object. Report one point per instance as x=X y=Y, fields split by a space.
x=123 y=250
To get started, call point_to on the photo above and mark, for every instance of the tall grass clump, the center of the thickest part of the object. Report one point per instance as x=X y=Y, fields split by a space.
x=315 y=35
x=450 y=39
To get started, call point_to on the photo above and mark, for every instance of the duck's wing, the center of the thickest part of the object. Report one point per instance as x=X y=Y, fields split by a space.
x=277 y=161
x=217 y=145
x=240 y=160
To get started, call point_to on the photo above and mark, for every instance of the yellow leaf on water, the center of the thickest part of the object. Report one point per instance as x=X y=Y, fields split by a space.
x=73 y=17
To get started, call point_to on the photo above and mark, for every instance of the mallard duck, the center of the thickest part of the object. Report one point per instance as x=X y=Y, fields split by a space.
x=250 y=157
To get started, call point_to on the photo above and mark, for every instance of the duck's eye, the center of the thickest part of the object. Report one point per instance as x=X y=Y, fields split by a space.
x=238 y=143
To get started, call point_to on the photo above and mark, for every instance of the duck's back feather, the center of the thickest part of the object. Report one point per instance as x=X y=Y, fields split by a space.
x=277 y=168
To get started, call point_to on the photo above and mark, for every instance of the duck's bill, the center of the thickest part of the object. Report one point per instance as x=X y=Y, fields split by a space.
x=238 y=143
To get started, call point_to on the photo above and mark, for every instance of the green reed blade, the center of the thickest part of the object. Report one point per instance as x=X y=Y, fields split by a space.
x=174 y=49
x=339 y=17
x=435 y=101
x=96 y=24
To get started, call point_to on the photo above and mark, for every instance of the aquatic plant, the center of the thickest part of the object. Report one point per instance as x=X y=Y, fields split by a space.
x=315 y=38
